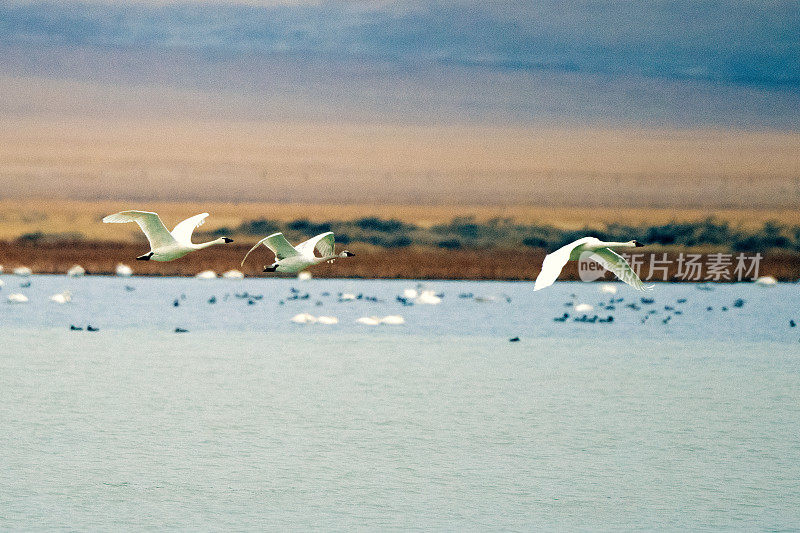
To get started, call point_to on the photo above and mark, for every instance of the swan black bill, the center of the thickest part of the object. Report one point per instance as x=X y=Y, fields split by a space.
x=272 y=268
x=637 y=244
x=349 y=254
x=227 y=240
x=145 y=257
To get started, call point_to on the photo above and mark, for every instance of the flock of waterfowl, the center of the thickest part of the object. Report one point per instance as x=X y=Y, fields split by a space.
x=167 y=246
x=609 y=307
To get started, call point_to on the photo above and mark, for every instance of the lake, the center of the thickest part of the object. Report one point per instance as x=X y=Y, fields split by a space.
x=681 y=413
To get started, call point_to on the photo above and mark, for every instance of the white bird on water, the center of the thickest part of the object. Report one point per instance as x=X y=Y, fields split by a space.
x=123 y=271
x=598 y=251
x=62 y=297
x=292 y=259
x=76 y=271
x=232 y=274
x=165 y=245
x=766 y=281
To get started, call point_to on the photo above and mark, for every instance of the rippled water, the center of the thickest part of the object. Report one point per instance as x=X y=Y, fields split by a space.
x=249 y=421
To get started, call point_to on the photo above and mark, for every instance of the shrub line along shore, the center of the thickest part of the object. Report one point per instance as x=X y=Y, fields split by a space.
x=412 y=262
x=394 y=244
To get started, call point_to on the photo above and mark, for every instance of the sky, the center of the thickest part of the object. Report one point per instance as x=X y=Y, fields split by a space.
x=692 y=63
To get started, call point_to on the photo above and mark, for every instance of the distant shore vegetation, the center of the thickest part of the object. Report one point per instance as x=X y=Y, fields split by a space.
x=467 y=233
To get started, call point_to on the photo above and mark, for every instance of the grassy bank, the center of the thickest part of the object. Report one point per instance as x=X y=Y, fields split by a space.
x=411 y=262
x=461 y=247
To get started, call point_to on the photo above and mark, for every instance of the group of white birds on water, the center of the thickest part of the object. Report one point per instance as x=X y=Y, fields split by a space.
x=168 y=245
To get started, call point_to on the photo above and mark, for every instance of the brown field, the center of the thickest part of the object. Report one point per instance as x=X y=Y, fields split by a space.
x=375 y=164
x=369 y=262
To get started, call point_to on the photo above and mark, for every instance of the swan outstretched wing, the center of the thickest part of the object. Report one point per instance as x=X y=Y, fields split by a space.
x=155 y=231
x=323 y=242
x=553 y=263
x=614 y=262
x=278 y=244
x=183 y=231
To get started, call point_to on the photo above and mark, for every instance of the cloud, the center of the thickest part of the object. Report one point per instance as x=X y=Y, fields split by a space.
x=655 y=56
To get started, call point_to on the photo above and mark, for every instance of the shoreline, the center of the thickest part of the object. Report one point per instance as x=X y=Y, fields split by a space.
x=370 y=262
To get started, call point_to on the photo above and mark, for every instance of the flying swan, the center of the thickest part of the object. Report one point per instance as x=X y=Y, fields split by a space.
x=599 y=252
x=165 y=245
x=290 y=258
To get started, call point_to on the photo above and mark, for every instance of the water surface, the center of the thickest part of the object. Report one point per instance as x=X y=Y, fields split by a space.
x=250 y=421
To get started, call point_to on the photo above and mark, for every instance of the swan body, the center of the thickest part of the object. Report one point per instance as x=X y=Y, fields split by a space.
x=232 y=274
x=607 y=288
x=206 y=274
x=428 y=298
x=165 y=245
x=410 y=293
x=304 y=318
x=600 y=251
x=17 y=298
x=391 y=320
x=76 y=271
x=22 y=272
x=62 y=297
x=293 y=259
x=123 y=271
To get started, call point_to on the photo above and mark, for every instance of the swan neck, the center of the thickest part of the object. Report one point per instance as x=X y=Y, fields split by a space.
x=209 y=243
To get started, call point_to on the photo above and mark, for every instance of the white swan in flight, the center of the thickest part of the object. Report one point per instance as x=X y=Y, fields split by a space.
x=599 y=252
x=165 y=245
x=290 y=258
